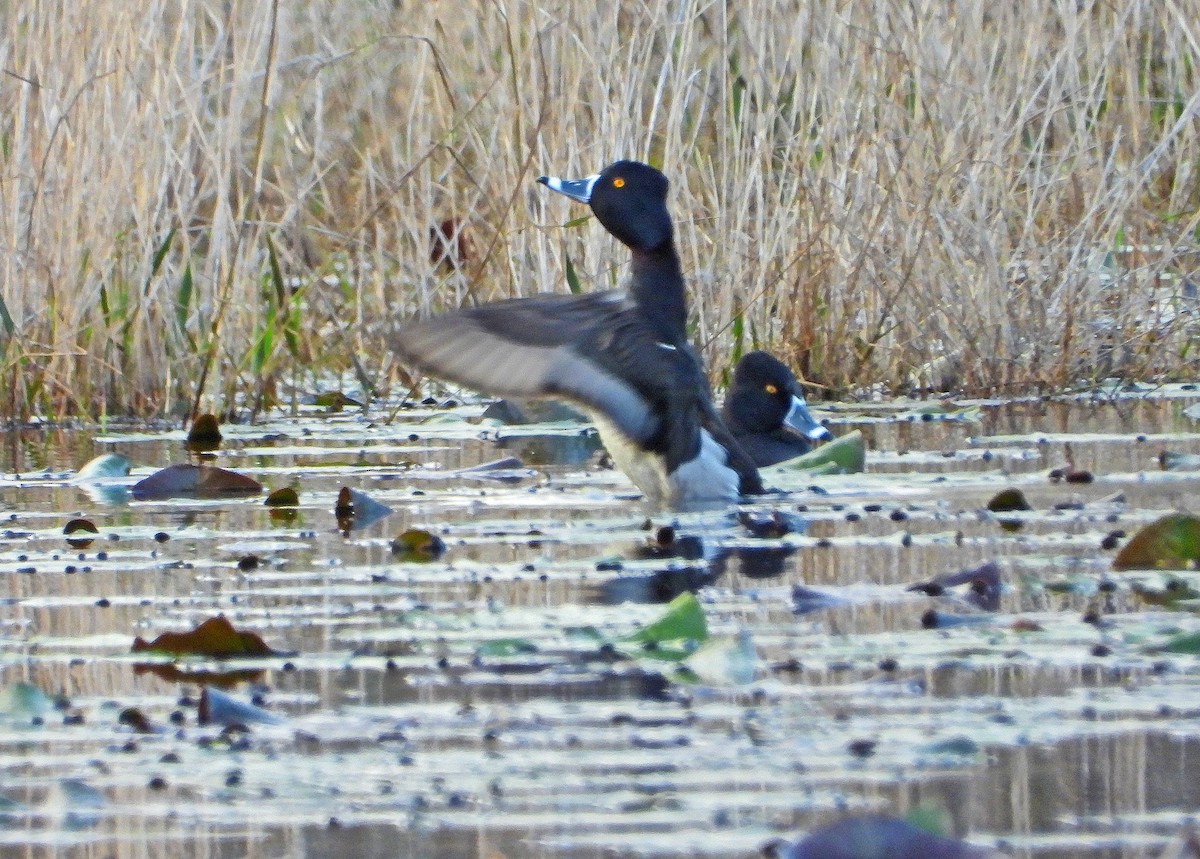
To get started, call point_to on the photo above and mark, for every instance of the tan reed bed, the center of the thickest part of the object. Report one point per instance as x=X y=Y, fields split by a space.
x=204 y=203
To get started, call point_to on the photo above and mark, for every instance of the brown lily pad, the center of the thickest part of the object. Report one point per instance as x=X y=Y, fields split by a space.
x=285 y=497
x=216 y=637
x=194 y=481
x=205 y=434
x=1007 y=501
x=80 y=533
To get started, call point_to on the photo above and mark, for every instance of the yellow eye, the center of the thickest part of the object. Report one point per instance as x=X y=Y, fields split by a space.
x=771 y=389
x=618 y=182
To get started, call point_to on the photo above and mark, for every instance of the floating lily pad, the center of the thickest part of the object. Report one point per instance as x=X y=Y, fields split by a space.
x=1170 y=461
x=219 y=708
x=875 y=837
x=335 y=401
x=1172 y=542
x=683 y=625
x=80 y=533
x=355 y=510
x=215 y=637
x=418 y=545
x=194 y=481
x=1188 y=644
x=846 y=454
x=285 y=497
x=105 y=466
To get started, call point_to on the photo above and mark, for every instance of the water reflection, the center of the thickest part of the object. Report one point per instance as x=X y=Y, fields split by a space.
x=473 y=704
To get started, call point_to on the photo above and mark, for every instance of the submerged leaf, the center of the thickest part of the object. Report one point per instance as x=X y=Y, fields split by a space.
x=23 y=700
x=1171 y=542
x=215 y=637
x=506 y=647
x=194 y=481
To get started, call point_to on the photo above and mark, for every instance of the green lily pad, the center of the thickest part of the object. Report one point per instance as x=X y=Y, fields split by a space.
x=1172 y=542
x=417 y=544
x=846 y=454
x=335 y=401
x=684 y=621
x=506 y=647
x=1188 y=644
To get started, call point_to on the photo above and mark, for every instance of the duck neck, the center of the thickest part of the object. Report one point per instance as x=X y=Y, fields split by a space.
x=657 y=286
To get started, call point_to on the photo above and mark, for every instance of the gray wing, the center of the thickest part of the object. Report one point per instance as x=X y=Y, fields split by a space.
x=531 y=347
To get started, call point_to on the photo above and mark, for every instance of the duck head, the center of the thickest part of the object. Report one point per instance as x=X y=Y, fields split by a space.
x=628 y=197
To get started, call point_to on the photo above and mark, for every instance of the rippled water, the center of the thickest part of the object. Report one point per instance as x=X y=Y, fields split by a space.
x=467 y=706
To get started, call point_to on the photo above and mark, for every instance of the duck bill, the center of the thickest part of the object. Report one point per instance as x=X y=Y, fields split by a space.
x=576 y=189
x=802 y=421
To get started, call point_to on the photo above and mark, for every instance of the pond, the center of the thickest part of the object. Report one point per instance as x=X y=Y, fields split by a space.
x=496 y=700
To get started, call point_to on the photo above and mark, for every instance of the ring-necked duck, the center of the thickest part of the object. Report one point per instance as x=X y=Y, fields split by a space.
x=622 y=355
x=766 y=411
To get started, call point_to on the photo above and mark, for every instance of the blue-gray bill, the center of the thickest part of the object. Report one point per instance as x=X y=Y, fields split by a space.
x=576 y=189
x=801 y=420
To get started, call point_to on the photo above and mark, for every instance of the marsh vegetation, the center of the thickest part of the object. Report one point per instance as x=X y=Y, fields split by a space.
x=203 y=202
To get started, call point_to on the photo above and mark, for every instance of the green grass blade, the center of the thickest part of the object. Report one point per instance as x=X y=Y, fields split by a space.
x=6 y=321
x=572 y=276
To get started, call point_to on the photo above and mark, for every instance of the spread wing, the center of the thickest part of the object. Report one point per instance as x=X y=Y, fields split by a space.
x=588 y=349
x=594 y=350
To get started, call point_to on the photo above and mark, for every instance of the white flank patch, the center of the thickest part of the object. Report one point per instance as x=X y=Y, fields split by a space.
x=703 y=481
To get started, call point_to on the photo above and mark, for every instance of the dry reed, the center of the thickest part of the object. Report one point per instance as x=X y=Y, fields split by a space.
x=201 y=202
